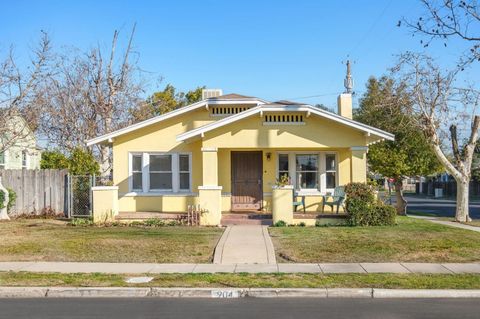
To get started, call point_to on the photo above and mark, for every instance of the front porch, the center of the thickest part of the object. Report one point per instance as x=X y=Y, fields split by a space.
x=239 y=180
x=231 y=181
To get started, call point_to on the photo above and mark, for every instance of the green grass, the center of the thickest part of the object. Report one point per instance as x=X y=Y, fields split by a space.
x=50 y=240
x=407 y=281
x=474 y=222
x=411 y=240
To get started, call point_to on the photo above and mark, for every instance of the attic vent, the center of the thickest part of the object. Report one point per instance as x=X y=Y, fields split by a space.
x=209 y=93
x=228 y=110
x=283 y=119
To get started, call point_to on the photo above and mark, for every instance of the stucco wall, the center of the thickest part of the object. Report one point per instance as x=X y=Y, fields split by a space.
x=249 y=134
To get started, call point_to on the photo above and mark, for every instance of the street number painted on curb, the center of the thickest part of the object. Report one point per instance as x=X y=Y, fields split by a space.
x=225 y=294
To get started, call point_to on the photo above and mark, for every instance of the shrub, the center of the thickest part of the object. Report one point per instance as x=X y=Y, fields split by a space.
x=45 y=213
x=154 y=222
x=302 y=224
x=280 y=223
x=12 y=197
x=363 y=209
x=173 y=223
x=384 y=214
x=81 y=222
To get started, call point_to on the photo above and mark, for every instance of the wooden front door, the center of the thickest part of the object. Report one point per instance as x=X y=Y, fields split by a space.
x=247 y=168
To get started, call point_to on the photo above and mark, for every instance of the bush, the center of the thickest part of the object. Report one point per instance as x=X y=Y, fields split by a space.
x=154 y=222
x=45 y=213
x=12 y=197
x=384 y=214
x=81 y=222
x=280 y=223
x=363 y=209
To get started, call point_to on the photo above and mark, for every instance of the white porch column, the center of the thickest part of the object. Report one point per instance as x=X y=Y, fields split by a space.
x=210 y=193
x=358 y=162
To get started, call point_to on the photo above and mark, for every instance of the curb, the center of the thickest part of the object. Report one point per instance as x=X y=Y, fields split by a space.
x=131 y=292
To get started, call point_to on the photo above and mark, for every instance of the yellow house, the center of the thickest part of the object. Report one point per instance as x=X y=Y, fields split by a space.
x=226 y=152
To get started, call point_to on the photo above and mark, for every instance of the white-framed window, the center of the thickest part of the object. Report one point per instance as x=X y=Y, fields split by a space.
x=283 y=166
x=310 y=172
x=158 y=172
x=184 y=171
x=24 y=159
x=2 y=159
x=136 y=172
x=330 y=171
x=307 y=171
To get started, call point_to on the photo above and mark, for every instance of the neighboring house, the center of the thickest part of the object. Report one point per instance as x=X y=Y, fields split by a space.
x=18 y=146
x=227 y=151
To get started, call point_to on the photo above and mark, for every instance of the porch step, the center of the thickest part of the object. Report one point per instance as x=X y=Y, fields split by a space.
x=146 y=215
x=229 y=222
x=246 y=219
x=246 y=216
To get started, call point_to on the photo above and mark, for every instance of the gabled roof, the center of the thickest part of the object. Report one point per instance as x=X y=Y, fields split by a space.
x=233 y=96
x=274 y=107
x=224 y=99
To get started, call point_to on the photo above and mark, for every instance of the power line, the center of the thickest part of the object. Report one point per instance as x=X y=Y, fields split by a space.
x=374 y=24
x=310 y=96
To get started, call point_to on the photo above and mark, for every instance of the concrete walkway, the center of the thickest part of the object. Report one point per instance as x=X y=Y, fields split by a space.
x=331 y=268
x=446 y=223
x=245 y=244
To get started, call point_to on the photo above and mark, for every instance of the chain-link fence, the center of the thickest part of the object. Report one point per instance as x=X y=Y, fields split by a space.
x=79 y=195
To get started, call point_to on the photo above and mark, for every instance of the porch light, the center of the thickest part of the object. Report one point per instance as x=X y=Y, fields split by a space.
x=269 y=156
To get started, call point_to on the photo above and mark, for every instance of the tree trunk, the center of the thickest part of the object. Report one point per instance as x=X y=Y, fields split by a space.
x=401 y=202
x=462 y=212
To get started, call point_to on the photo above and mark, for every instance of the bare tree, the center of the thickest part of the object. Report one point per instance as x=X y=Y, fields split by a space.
x=90 y=96
x=442 y=110
x=19 y=93
x=447 y=19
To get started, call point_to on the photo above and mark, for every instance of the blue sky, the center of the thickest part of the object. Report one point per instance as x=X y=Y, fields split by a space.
x=270 y=49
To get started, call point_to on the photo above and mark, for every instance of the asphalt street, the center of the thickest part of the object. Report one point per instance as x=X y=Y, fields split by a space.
x=239 y=308
x=438 y=207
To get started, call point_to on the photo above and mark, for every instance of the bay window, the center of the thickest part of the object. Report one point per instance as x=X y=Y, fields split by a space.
x=160 y=172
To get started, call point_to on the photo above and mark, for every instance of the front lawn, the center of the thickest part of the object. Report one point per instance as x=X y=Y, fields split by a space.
x=50 y=240
x=412 y=240
x=406 y=281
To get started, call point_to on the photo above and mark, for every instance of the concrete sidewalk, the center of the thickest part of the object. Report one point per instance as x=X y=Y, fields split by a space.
x=245 y=244
x=326 y=268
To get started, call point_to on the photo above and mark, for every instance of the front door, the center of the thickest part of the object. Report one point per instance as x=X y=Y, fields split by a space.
x=247 y=180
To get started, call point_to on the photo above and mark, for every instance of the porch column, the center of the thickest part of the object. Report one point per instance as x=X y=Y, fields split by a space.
x=210 y=193
x=358 y=162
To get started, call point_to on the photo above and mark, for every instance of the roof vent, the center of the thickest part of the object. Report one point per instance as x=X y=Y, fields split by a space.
x=209 y=93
